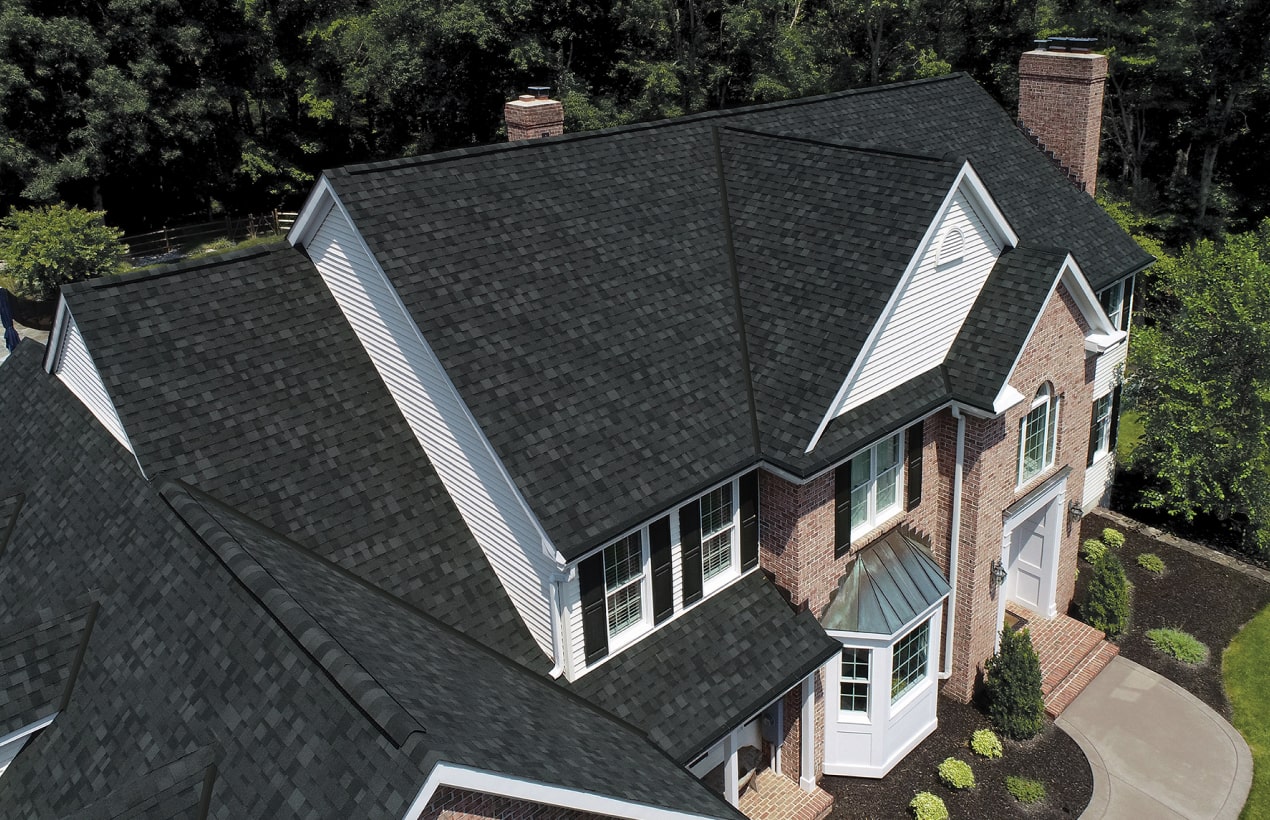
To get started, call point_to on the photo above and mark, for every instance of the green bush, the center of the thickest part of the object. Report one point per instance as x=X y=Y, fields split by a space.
x=985 y=743
x=1178 y=644
x=1025 y=790
x=956 y=774
x=1114 y=539
x=45 y=248
x=1093 y=550
x=927 y=806
x=1106 y=605
x=1151 y=562
x=1013 y=687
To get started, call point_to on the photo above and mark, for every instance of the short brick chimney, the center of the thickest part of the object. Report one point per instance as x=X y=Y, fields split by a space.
x=1060 y=103
x=534 y=115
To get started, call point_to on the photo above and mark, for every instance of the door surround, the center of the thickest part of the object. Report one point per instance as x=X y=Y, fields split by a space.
x=1052 y=494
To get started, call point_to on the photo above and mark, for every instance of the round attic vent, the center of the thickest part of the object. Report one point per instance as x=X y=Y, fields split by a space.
x=951 y=247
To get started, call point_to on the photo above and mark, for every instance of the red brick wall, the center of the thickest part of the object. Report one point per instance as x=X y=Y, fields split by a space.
x=532 y=119
x=1060 y=100
x=457 y=804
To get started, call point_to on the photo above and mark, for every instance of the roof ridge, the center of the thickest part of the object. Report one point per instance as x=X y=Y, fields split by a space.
x=480 y=150
x=178 y=267
x=946 y=159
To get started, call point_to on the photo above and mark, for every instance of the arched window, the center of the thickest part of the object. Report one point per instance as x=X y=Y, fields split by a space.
x=1038 y=435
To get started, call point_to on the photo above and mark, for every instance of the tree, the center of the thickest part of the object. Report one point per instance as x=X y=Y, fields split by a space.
x=1013 y=686
x=46 y=247
x=1106 y=605
x=1200 y=377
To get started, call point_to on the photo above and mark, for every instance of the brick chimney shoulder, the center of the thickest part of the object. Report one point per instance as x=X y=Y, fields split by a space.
x=1060 y=102
x=531 y=118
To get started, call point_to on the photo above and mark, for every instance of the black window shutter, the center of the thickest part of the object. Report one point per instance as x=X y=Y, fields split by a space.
x=595 y=626
x=1093 y=436
x=663 y=581
x=842 y=510
x=913 y=440
x=749 y=520
x=690 y=542
x=1115 y=417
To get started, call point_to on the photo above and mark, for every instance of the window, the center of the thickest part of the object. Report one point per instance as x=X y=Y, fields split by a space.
x=1100 y=435
x=716 y=531
x=1117 y=300
x=623 y=587
x=1038 y=435
x=875 y=483
x=908 y=663
x=854 y=681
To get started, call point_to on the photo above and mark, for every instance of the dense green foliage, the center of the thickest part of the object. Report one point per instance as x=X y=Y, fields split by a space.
x=1200 y=381
x=1151 y=562
x=159 y=108
x=1013 y=687
x=1025 y=790
x=926 y=806
x=1106 y=604
x=1092 y=550
x=985 y=743
x=1244 y=674
x=1178 y=644
x=46 y=247
x=956 y=774
x=1113 y=538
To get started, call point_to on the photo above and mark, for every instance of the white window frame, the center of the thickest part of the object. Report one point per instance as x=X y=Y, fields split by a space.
x=853 y=715
x=1045 y=397
x=898 y=699
x=875 y=517
x=733 y=570
x=638 y=625
x=1102 y=421
x=1114 y=296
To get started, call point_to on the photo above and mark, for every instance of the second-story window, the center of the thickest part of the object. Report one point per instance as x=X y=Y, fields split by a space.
x=716 y=532
x=1117 y=300
x=623 y=583
x=1038 y=435
x=875 y=484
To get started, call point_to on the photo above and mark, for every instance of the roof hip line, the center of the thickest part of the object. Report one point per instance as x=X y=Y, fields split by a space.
x=742 y=341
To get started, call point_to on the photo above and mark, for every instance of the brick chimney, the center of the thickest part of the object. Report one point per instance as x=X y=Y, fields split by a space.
x=534 y=115
x=1060 y=103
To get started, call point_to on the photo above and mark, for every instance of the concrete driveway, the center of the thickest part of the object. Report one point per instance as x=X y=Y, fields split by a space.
x=1157 y=751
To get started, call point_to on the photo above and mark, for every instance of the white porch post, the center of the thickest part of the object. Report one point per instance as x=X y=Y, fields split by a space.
x=807 y=759
x=731 y=769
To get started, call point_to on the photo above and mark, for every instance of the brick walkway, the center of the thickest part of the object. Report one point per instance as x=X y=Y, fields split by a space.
x=774 y=797
x=1071 y=655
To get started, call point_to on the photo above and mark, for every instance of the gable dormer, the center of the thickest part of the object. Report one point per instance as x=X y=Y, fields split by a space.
x=926 y=310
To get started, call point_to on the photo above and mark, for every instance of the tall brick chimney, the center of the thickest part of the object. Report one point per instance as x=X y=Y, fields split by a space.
x=534 y=115
x=1060 y=103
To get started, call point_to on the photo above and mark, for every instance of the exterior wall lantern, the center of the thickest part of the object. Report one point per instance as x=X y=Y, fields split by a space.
x=998 y=574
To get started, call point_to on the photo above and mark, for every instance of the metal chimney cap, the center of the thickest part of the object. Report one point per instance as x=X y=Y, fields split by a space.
x=1078 y=45
x=540 y=91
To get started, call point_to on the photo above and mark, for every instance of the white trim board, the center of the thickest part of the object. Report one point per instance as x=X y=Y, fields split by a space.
x=486 y=782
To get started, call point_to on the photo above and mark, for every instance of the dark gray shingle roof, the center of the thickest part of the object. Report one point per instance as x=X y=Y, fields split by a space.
x=711 y=668
x=38 y=659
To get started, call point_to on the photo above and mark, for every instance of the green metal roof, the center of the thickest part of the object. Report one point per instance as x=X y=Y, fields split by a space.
x=891 y=582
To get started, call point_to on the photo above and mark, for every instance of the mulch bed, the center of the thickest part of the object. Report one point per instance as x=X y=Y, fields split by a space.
x=1052 y=758
x=1210 y=601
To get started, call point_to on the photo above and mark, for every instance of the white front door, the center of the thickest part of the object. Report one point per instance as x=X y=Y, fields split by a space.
x=1030 y=548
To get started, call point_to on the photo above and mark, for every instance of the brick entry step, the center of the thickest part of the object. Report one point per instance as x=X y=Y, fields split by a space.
x=771 y=796
x=1071 y=654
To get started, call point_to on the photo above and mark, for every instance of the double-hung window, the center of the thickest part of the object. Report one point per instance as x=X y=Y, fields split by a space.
x=716 y=532
x=909 y=661
x=1117 y=301
x=853 y=686
x=1038 y=435
x=1100 y=435
x=875 y=484
x=623 y=583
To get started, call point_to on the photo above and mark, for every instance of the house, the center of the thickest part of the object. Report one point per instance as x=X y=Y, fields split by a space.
x=582 y=474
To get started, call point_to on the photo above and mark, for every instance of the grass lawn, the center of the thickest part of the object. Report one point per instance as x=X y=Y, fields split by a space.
x=1244 y=670
x=1128 y=437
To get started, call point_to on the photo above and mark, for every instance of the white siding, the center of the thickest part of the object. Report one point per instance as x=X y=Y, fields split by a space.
x=490 y=504
x=74 y=366
x=1109 y=366
x=930 y=309
x=1098 y=477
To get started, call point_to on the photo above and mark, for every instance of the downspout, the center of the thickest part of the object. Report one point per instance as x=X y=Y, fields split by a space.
x=954 y=538
x=557 y=627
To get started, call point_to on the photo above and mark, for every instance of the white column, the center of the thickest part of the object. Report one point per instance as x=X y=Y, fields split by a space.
x=807 y=760
x=731 y=766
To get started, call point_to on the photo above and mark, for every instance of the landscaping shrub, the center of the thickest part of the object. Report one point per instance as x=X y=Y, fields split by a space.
x=1151 y=562
x=956 y=774
x=1025 y=790
x=1114 y=539
x=927 y=806
x=985 y=743
x=54 y=245
x=1093 y=550
x=1013 y=687
x=1106 y=605
x=1178 y=644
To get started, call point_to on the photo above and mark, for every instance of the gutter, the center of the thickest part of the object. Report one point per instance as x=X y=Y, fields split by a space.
x=954 y=538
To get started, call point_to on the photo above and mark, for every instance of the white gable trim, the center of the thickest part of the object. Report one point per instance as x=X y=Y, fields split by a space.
x=971 y=186
x=69 y=359
x=12 y=743
x=1101 y=337
x=316 y=208
x=486 y=782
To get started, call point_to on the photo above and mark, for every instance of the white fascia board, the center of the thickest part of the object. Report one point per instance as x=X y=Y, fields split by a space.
x=30 y=728
x=54 y=349
x=967 y=181
x=799 y=480
x=486 y=782
x=1007 y=398
x=319 y=203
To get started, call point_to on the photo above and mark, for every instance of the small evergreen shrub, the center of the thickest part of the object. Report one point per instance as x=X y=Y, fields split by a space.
x=1106 y=605
x=1151 y=562
x=1025 y=790
x=1114 y=539
x=985 y=743
x=1178 y=644
x=927 y=806
x=1013 y=687
x=956 y=774
x=1093 y=550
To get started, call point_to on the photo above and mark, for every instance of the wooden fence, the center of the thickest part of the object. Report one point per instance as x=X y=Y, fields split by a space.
x=185 y=238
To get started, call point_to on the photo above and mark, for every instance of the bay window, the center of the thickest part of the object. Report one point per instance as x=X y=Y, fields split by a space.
x=853 y=682
x=909 y=661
